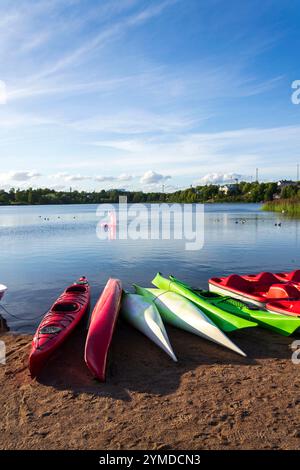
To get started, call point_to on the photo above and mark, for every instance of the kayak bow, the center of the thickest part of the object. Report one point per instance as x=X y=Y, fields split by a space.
x=101 y=329
x=58 y=323
x=144 y=316
x=226 y=321
x=181 y=313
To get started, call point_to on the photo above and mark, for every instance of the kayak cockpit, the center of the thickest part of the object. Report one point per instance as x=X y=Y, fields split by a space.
x=65 y=307
x=76 y=288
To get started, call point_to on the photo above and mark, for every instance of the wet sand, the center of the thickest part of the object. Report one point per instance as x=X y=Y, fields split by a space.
x=211 y=399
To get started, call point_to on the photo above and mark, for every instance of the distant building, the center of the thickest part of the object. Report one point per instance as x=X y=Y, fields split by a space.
x=283 y=183
x=228 y=189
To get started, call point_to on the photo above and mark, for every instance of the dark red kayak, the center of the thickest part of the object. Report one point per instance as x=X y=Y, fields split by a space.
x=257 y=289
x=58 y=323
x=101 y=329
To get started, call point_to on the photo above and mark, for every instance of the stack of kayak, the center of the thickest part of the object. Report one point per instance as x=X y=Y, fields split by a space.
x=267 y=300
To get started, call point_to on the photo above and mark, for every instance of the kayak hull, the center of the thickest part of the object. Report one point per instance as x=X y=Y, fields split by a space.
x=144 y=316
x=101 y=328
x=181 y=313
x=58 y=324
x=226 y=321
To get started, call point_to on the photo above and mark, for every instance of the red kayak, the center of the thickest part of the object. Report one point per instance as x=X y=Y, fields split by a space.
x=258 y=289
x=58 y=323
x=101 y=329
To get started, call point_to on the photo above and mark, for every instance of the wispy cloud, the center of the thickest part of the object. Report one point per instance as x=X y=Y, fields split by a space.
x=132 y=122
x=100 y=89
x=112 y=32
x=99 y=178
x=3 y=92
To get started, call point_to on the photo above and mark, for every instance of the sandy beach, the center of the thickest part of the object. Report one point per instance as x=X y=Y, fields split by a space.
x=211 y=399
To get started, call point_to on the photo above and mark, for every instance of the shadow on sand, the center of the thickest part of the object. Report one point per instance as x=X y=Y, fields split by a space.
x=137 y=365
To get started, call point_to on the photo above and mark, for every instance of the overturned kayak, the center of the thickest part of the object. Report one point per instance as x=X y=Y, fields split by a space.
x=225 y=320
x=281 y=324
x=258 y=289
x=183 y=314
x=101 y=328
x=144 y=316
x=3 y=289
x=58 y=323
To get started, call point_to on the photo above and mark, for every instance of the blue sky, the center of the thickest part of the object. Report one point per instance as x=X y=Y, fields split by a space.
x=135 y=94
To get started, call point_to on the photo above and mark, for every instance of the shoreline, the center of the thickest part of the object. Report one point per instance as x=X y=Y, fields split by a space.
x=210 y=399
x=117 y=203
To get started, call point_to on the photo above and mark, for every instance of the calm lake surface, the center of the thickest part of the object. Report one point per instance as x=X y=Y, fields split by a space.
x=46 y=248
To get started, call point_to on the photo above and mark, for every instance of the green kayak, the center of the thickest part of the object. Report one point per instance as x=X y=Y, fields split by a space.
x=218 y=308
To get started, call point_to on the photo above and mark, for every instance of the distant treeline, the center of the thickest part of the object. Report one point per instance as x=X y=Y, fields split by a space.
x=240 y=192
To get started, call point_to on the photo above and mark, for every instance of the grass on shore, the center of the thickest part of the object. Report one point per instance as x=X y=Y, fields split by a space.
x=285 y=206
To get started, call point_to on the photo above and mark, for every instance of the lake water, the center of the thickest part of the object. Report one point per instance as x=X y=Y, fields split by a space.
x=46 y=248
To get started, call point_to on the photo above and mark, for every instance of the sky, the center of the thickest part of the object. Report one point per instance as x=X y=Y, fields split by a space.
x=137 y=94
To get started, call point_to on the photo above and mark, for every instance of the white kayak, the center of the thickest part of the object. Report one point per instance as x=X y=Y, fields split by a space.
x=182 y=313
x=3 y=289
x=144 y=316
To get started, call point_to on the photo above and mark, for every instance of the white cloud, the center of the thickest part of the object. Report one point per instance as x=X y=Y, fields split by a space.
x=103 y=179
x=122 y=177
x=19 y=175
x=59 y=176
x=151 y=177
x=220 y=178
x=77 y=178
x=68 y=177
x=125 y=177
